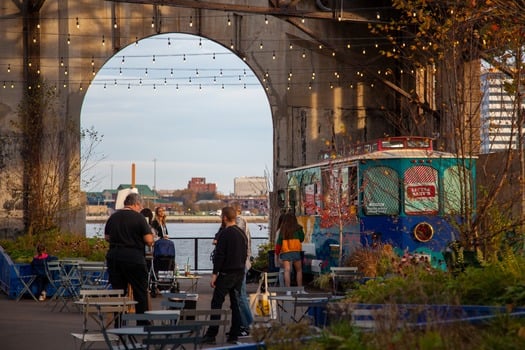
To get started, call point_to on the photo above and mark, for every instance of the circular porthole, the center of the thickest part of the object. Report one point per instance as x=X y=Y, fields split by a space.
x=423 y=232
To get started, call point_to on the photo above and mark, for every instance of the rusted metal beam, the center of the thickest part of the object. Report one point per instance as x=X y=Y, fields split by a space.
x=273 y=11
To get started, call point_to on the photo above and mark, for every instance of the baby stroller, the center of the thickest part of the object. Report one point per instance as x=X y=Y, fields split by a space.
x=162 y=275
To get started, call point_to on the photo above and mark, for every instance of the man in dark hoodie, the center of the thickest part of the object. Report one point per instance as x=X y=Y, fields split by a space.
x=228 y=273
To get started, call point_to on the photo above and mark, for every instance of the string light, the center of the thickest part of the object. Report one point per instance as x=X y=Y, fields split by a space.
x=123 y=59
x=153 y=60
x=136 y=41
x=191 y=21
x=115 y=25
x=78 y=23
x=9 y=68
x=229 y=21
x=231 y=44
x=169 y=42
x=304 y=54
x=291 y=45
x=273 y=55
x=68 y=39
x=153 y=22
x=261 y=45
x=265 y=19
x=103 y=40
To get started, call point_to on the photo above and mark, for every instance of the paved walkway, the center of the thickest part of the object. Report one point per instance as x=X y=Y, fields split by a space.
x=31 y=325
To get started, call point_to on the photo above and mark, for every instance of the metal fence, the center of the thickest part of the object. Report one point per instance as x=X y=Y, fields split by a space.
x=196 y=251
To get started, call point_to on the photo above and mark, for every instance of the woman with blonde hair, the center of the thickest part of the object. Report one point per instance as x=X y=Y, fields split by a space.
x=159 y=223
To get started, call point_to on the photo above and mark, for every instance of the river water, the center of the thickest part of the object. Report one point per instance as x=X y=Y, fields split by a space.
x=193 y=241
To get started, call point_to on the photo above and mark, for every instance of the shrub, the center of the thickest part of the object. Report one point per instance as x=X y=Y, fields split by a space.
x=62 y=245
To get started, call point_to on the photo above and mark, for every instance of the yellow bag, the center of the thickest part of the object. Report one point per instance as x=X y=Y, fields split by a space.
x=260 y=303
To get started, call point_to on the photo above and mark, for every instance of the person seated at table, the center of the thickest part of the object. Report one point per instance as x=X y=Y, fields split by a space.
x=38 y=265
x=164 y=254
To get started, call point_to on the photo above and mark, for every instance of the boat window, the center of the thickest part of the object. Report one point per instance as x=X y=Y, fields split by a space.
x=392 y=144
x=421 y=190
x=418 y=143
x=454 y=191
x=380 y=191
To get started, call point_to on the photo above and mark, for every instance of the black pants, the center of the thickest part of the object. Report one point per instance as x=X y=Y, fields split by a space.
x=123 y=273
x=231 y=284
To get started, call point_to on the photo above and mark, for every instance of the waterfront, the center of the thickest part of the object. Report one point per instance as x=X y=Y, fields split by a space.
x=193 y=241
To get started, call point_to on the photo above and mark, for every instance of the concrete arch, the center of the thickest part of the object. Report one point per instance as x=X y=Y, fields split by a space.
x=325 y=80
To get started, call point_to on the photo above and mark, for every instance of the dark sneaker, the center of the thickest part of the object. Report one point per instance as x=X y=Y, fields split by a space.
x=233 y=340
x=244 y=332
x=208 y=339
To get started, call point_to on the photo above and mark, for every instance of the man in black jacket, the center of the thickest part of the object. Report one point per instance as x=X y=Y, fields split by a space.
x=228 y=273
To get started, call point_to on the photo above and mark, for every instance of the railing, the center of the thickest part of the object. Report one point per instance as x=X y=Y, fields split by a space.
x=196 y=251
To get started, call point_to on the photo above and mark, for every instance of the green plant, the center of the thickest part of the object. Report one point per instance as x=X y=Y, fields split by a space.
x=261 y=261
x=62 y=245
x=323 y=281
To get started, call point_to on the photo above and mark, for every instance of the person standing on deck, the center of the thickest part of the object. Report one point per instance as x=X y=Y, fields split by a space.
x=244 y=304
x=289 y=246
x=159 y=223
x=128 y=234
x=228 y=273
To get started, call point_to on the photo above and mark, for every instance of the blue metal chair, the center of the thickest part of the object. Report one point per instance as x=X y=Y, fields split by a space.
x=25 y=281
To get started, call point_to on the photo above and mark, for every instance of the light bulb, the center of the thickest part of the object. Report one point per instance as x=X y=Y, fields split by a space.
x=78 y=23
x=191 y=21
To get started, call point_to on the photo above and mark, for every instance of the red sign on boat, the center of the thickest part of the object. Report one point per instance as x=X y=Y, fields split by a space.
x=421 y=191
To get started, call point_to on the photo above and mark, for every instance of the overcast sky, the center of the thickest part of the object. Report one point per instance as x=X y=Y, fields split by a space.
x=177 y=106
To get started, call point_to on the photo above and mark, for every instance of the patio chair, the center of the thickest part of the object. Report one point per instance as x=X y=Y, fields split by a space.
x=206 y=318
x=157 y=336
x=60 y=283
x=25 y=281
x=99 y=313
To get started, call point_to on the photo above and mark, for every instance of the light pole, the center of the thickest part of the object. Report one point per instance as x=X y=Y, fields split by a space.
x=154 y=180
